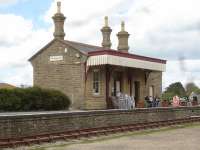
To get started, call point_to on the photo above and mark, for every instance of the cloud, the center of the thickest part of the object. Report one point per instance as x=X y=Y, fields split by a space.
x=175 y=73
x=17 y=74
x=167 y=29
x=9 y=2
x=18 y=42
x=15 y=29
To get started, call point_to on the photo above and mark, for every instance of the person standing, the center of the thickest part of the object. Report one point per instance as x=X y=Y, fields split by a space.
x=151 y=101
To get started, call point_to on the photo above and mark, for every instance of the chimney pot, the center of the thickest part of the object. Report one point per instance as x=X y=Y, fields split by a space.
x=106 y=32
x=59 y=20
x=123 y=39
x=58 y=7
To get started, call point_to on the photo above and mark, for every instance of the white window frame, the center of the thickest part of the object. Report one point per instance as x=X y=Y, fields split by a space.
x=96 y=82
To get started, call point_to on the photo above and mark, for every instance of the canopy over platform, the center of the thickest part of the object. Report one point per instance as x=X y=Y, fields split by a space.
x=112 y=57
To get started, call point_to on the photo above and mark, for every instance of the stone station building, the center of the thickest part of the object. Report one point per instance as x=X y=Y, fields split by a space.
x=90 y=75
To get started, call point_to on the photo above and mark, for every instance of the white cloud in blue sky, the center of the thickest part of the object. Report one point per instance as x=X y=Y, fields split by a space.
x=7 y=2
x=159 y=28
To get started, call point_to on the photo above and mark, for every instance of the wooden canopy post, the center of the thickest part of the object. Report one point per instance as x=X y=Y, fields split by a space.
x=108 y=100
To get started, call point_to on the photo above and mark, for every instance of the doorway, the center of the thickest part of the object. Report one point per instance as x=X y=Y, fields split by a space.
x=137 y=91
x=117 y=83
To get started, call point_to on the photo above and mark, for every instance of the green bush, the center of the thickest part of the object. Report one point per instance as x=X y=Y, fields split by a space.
x=32 y=99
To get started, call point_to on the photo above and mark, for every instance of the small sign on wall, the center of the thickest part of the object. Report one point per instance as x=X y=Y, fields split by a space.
x=56 y=58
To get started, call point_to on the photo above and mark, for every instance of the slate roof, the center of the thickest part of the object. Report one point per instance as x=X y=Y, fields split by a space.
x=90 y=50
x=85 y=48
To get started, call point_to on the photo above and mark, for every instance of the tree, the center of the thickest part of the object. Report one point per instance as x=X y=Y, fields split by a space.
x=197 y=91
x=167 y=96
x=177 y=89
x=172 y=90
x=191 y=87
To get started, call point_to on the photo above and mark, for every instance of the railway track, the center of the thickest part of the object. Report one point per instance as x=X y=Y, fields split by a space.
x=38 y=139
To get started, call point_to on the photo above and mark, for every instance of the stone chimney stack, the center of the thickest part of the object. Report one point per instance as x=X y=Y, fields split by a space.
x=123 y=39
x=59 y=20
x=106 y=32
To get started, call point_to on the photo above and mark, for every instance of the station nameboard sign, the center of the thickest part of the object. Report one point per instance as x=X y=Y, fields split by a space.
x=56 y=58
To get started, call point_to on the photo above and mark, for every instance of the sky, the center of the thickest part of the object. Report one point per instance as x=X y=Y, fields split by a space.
x=166 y=29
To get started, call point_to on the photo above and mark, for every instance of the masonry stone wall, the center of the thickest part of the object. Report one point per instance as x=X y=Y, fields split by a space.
x=93 y=101
x=155 y=80
x=30 y=124
x=66 y=75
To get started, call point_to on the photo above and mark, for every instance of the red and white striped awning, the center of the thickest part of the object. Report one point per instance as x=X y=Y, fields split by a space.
x=126 y=60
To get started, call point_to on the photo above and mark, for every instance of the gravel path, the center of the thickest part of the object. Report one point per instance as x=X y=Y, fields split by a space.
x=178 y=139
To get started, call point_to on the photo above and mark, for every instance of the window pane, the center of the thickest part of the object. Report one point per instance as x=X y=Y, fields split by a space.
x=96 y=81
